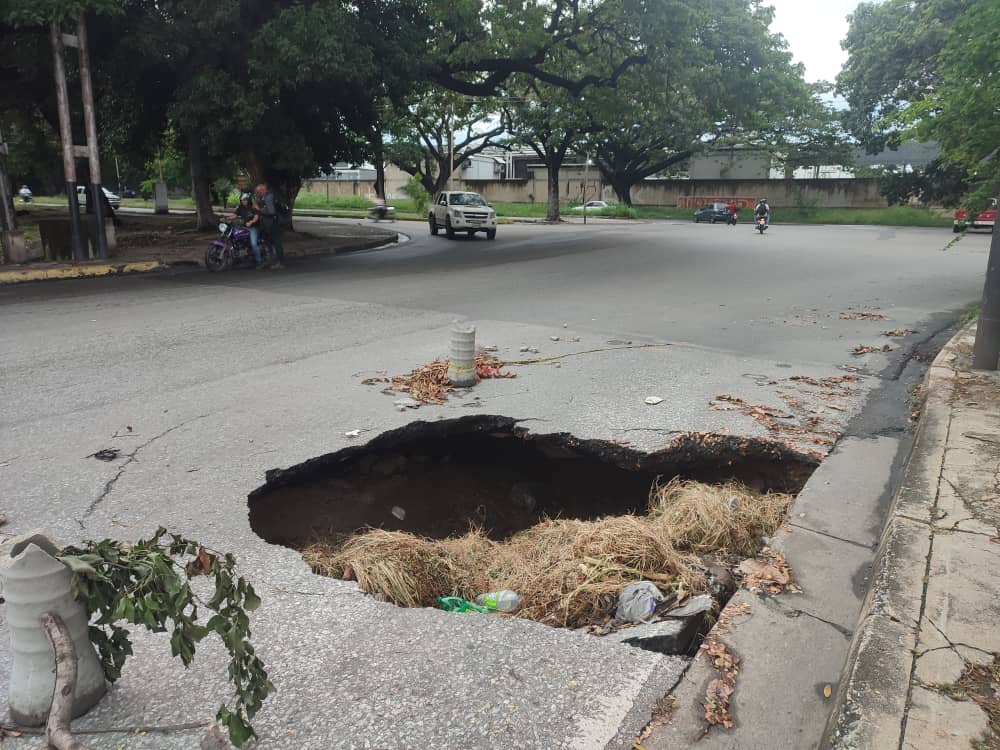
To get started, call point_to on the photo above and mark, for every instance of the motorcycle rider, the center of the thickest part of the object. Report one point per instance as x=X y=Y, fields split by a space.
x=250 y=217
x=764 y=210
x=25 y=193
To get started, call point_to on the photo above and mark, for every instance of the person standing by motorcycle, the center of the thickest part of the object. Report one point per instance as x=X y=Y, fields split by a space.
x=250 y=217
x=764 y=210
x=267 y=205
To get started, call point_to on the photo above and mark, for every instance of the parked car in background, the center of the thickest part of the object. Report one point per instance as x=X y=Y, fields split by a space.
x=712 y=212
x=986 y=219
x=114 y=200
x=462 y=211
x=591 y=206
x=129 y=193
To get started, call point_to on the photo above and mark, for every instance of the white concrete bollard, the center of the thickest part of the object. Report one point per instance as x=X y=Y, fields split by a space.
x=462 y=364
x=35 y=582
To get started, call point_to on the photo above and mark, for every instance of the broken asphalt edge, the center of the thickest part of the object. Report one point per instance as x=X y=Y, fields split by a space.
x=871 y=703
x=112 y=268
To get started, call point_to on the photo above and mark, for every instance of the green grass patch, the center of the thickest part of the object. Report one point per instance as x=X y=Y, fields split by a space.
x=901 y=216
x=971 y=314
x=907 y=216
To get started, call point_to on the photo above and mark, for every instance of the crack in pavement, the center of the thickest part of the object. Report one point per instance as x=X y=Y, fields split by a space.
x=870 y=547
x=790 y=611
x=922 y=614
x=130 y=458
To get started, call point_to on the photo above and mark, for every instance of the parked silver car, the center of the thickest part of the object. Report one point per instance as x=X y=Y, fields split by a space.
x=114 y=200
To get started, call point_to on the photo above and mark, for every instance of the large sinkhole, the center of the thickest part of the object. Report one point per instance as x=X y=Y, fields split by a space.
x=434 y=479
x=463 y=489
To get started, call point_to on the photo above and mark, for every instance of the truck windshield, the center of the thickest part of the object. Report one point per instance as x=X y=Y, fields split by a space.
x=466 y=199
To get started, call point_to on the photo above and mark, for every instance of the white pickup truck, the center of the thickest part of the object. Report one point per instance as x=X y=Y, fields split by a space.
x=460 y=211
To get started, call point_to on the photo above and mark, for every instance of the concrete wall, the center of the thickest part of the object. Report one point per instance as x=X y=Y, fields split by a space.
x=730 y=165
x=847 y=193
x=823 y=193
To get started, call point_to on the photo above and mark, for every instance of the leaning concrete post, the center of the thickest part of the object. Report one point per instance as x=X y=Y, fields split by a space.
x=462 y=364
x=35 y=582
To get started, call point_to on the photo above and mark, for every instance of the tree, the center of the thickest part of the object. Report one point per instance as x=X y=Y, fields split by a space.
x=938 y=182
x=479 y=45
x=439 y=131
x=939 y=84
x=720 y=78
x=551 y=122
x=892 y=50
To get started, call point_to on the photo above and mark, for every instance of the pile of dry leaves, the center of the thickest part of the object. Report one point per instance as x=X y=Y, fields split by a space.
x=721 y=689
x=768 y=572
x=429 y=383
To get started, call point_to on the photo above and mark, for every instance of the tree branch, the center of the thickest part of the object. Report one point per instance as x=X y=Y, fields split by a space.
x=57 y=730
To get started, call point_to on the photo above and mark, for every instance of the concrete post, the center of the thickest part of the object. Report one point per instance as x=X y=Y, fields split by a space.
x=986 y=352
x=462 y=363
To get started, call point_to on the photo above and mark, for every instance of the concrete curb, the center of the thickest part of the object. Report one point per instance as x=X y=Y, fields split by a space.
x=21 y=275
x=874 y=694
x=91 y=270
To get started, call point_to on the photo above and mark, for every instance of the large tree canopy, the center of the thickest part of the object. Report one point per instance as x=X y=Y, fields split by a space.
x=928 y=69
x=720 y=78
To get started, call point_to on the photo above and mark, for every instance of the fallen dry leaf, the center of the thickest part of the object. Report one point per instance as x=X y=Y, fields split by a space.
x=862 y=316
x=859 y=350
x=769 y=572
x=729 y=613
x=827 y=691
x=898 y=332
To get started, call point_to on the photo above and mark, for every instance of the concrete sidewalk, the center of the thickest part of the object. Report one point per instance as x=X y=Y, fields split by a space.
x=923 y=672
x=138 y=253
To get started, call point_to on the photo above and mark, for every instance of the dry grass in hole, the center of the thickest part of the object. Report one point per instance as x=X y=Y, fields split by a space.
x=725 y=518
x=569 y=572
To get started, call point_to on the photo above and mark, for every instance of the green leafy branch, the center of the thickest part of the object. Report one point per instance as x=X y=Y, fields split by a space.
x=148 y=583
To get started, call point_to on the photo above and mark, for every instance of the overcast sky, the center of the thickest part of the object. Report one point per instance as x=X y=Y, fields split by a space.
x=814 y=29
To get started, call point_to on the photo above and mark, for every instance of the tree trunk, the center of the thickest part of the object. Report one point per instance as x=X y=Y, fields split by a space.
x=288 y=189
x=623 y=189
x=200 y=183
x=553 y=163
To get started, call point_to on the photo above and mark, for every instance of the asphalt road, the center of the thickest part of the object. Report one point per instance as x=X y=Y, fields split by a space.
x=224 y=377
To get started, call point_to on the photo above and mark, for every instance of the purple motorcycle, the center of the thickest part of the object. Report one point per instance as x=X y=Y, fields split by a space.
x=233 y=248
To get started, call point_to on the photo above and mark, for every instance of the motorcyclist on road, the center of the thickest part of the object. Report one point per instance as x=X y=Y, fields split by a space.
x=764 y=210
x=250 y=217
x=25 y=193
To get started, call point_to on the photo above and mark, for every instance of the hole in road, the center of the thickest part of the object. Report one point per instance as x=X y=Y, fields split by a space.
x=490 y=472
x=486 y=504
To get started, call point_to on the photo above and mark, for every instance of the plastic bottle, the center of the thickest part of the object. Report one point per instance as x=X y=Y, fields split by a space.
x=501 y=601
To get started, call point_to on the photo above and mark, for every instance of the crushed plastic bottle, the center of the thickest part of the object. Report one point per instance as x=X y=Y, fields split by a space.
x=500 y=601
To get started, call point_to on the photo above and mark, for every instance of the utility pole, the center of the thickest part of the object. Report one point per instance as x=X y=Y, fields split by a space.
x=586 y=172
x=11 y=240
x=90 y=126
x=451 y=151
x=986 y=351
x=66 y=136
